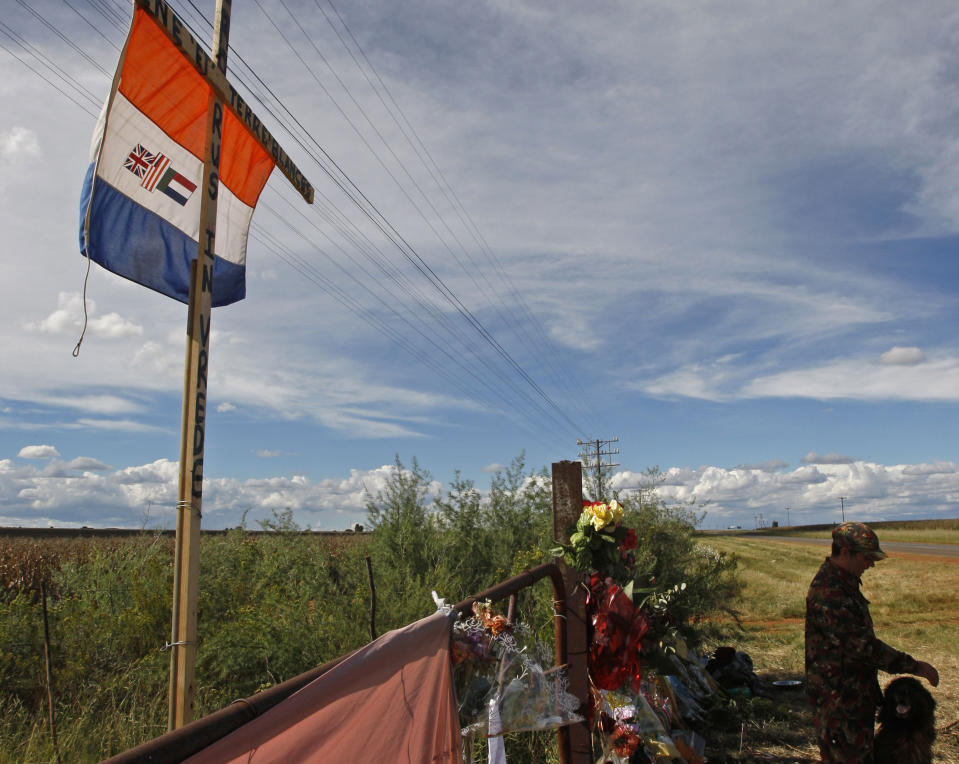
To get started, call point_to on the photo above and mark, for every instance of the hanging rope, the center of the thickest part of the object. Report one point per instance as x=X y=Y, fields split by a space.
x=86 y=277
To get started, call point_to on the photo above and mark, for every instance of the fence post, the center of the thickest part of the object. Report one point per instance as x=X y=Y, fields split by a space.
x=567 y=506
x=46 y=655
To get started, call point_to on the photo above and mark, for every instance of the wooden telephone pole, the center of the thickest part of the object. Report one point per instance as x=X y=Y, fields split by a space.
x=190 y=487
x=592 y=456
x=193 y=430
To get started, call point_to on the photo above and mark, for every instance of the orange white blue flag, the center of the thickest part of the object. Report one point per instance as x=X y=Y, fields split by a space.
x=140 y=206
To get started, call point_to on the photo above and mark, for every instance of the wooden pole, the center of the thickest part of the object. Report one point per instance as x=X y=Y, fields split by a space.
x=369 y=575
x=193 y=432
x=46 y=655
x=567 y=507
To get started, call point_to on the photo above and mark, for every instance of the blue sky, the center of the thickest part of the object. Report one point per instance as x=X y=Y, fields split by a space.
x=724 y=234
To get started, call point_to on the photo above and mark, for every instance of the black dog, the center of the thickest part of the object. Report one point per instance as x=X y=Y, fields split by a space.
x=907 y=726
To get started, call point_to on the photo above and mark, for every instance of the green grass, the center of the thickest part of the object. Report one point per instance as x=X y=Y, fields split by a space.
x=918 y=531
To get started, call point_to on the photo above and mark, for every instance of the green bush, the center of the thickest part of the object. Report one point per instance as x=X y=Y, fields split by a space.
x=457 y=544
x=668 y=554
x=275 y=604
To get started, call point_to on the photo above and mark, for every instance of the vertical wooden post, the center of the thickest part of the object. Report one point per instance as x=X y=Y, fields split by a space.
x=192 y=436
x=567 y=507
x=46 y=656
x=369 y=575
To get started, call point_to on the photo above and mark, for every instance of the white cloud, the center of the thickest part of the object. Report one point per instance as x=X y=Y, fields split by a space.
x=773 y=465
x=861 y=380
x=869 y=491
x=68 y=318
x=19 y=143
x=114 y=326
x=87 y=463
x=494 y=468
x=225 y=407
x=803 y=476
x=101 y=496
x=118 y=425
x=903 y=356
x=265 y=453
x=38 y=452
x=831 y=458
x=937 y=468
x=690 y=382
x=94 y=404
x=160 y=471
x=160 y=359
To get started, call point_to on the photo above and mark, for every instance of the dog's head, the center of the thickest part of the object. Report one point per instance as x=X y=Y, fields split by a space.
x=906 y=700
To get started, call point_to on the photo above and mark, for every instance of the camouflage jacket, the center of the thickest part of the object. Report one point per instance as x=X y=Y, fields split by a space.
x=843 y=655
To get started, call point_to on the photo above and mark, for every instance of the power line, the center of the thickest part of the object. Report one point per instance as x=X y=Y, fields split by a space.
x=541 y=345
x=42 y=76
x=467 y=330
x=62 y=36
x=594 y=459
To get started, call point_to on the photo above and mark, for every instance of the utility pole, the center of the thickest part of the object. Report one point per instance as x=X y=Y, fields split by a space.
x=787 y=517
x=842 y=506
x=594 y=459
x=225 y=109
x=193 y=428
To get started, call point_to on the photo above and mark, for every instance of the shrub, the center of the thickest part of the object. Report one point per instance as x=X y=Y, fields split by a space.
x=275 y=604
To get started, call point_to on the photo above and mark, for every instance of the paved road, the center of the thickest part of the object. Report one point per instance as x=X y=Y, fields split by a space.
x=891 y=547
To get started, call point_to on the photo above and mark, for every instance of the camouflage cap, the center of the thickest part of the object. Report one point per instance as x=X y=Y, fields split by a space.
x=858 y=537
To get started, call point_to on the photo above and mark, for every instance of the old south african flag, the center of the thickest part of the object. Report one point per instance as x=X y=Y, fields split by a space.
x=140 y=205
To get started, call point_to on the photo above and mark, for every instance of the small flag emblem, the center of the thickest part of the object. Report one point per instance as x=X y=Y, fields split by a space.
x=157 y=175
x=139 y=161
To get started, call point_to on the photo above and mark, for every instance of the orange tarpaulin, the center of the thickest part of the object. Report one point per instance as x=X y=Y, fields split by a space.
x=391 y=701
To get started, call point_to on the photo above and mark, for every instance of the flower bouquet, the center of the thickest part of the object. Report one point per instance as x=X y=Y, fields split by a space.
x=600 y=542
x=631 y=626
x=502 y=687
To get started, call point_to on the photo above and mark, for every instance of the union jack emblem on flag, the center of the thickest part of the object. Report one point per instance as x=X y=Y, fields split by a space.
x=139 y=161
x=156 y=174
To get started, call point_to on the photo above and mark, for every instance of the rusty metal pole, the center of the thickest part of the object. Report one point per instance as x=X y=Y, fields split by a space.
x=567 y=506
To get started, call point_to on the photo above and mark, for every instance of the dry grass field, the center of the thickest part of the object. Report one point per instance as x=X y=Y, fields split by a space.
x=915 y=607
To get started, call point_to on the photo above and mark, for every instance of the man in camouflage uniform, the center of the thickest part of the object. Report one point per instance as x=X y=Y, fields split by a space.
x=843 y=655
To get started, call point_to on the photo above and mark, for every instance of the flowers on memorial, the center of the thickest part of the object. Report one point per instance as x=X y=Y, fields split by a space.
x=601 y=514
x=625 y=740
x=500 y=685
x=601 y=542
x=615 y=652
x=496 y=624
x=630 y=619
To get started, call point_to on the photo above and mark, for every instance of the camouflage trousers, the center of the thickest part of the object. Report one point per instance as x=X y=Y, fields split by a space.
x=845 y=735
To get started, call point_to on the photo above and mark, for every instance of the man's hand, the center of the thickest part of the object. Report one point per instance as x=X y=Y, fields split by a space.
x=928 y=672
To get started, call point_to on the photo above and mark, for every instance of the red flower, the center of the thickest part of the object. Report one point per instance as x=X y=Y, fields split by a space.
x=629 y=541
x=625 y=741
x=618 y=631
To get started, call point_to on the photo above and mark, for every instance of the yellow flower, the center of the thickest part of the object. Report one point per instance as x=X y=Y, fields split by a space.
x=617 y=509
x=600 y=515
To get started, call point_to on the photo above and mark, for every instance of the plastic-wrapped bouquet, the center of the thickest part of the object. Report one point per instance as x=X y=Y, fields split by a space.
x=501 y=688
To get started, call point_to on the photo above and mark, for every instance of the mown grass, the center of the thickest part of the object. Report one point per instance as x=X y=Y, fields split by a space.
x=943 y=531
x=915 y=607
